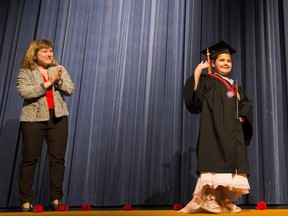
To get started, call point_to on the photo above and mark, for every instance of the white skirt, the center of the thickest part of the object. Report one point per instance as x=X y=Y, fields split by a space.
x=236 y=183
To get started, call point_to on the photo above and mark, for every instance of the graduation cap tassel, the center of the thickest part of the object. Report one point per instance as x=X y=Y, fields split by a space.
x=208 y=60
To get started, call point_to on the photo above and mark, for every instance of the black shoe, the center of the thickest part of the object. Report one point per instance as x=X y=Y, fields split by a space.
x=54 y=206
x=29 y=209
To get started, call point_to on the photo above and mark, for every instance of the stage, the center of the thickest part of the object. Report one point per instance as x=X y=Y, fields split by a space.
x=244 y=212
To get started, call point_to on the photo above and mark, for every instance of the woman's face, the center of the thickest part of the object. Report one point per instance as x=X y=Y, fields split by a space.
x=223 y=64
x=44 y=57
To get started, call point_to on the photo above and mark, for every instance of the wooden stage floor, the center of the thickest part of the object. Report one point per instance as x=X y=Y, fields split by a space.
x=165 y=212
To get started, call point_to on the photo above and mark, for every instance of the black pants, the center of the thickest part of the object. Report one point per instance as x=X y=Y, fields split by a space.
x=55 y=131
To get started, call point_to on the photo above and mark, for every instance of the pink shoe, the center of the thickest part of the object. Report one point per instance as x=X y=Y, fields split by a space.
x=232 y=208
x=187 y=210
x=213 y=207
x=209 y=204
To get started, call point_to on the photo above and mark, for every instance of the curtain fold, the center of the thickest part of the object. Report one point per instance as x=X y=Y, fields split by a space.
x=131 y=139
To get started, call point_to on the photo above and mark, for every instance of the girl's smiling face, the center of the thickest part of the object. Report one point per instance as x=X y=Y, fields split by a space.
x=223 y=64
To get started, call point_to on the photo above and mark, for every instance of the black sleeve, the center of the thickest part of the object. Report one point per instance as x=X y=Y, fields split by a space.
x=245 y=111
x=193 y=99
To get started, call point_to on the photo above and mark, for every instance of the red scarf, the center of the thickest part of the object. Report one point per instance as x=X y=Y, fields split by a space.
x=229 y=87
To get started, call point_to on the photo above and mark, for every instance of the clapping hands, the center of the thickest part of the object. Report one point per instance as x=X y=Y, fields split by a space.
x=56 y=75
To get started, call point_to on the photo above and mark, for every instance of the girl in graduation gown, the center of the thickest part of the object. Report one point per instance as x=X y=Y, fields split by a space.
x=225 y=132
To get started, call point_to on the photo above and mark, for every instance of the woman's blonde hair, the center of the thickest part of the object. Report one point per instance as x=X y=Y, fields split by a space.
x=29 y=60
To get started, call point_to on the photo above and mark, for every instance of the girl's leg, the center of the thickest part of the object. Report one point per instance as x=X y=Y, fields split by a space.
x=209 y=200
x=225 y=201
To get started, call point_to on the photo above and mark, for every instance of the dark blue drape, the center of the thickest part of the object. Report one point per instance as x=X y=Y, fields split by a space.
x=131 y=139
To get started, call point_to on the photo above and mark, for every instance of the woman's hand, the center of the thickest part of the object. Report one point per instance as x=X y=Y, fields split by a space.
x=56 y=75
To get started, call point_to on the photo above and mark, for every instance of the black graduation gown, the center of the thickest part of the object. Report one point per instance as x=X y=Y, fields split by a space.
x=222 y=142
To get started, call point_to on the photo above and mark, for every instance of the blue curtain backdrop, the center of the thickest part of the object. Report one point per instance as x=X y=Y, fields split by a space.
x=131 y=138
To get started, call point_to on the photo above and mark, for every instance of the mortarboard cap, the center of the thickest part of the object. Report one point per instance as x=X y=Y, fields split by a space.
x=219 y=48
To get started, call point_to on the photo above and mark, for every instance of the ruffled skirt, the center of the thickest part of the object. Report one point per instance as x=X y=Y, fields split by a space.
x=236 y=183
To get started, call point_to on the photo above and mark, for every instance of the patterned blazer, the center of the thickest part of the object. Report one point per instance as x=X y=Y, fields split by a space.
x=30 y=86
